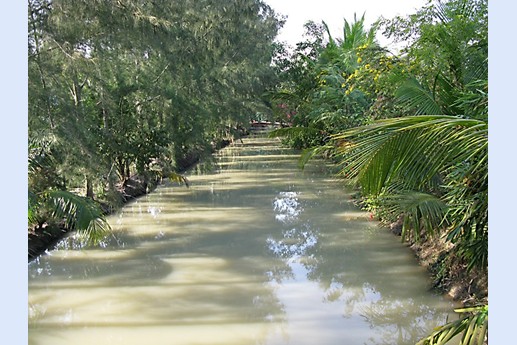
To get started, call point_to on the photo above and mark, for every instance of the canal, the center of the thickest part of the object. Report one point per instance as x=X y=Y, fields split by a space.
x=255 y=251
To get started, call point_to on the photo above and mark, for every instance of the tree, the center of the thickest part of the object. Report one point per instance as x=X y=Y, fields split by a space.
x=447 y=54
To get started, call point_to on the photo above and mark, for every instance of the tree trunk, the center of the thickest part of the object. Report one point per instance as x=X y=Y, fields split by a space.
x=128 y=172
x=89 y=188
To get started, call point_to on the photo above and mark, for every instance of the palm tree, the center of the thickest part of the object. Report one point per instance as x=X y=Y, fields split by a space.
x=432 y=168
x=54 y=210
x=69 y=212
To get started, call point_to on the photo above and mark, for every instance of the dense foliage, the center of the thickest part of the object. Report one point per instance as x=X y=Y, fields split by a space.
x=118 y=88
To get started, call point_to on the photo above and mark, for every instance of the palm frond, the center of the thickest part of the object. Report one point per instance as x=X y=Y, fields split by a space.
x=310 y=153
x=474 y=99
x=175 y=177
x=445 y=156
x=420 y=211
x=473 y=328
x=477 y=67
x=79 y=213
x=332 y=42
x=413 y=95
x=446 y=95
x=413 y=149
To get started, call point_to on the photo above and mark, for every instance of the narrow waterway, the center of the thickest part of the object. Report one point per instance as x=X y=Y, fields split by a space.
x=256 y=251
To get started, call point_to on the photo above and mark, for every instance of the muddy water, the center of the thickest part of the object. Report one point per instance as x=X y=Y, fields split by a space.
x=256 y=251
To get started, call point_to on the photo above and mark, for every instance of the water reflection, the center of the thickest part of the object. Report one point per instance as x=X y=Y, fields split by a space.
x=254 y=252
x=286 y=206
x=358 y=269
x=294 y=242
x=398 y=322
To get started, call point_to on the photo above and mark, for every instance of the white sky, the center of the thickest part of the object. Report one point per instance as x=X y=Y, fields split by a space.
x=333 y=12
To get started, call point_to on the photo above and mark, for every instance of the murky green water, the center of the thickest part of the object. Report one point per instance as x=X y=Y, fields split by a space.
x=256 y=251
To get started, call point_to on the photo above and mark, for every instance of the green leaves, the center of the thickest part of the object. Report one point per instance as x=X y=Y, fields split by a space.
x=70 y=211
x=413 y=95
x=77 y=212
x=175 y=177
x=316 y=81
x=412 y=149
x=473 y=328
x=299 y=137
x=120 y=84
x=431 y=167
x=419 y=211
x=32 y=209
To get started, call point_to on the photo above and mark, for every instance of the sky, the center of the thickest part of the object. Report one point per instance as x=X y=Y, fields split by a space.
x=334 y=12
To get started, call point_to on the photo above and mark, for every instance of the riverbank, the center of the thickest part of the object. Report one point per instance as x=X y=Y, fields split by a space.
x=449 y=274
x=45 y=238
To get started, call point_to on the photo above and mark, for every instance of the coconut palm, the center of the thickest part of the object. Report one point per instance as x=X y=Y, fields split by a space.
x=68 y=211
x=430 y=168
